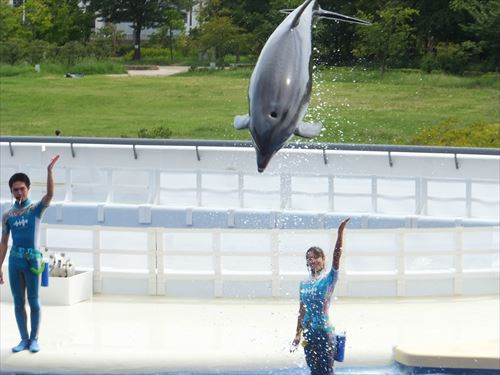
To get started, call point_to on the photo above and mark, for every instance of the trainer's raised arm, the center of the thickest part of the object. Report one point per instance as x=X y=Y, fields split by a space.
x=47 y=198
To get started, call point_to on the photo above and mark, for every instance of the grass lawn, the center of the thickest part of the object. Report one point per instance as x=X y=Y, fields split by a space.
x=355 y=105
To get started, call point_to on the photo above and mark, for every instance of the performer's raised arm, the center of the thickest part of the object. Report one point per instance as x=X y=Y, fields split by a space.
x=337 y=253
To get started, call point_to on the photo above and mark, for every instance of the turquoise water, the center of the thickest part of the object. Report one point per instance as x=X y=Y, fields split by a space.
x=394 y=369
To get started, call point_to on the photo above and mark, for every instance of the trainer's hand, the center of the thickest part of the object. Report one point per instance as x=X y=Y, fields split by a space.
x=52 y=162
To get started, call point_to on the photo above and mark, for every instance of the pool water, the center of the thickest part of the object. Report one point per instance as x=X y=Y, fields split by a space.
x=393 y=369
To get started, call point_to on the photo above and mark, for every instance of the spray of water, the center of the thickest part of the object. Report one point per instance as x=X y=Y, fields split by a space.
x=321 y=108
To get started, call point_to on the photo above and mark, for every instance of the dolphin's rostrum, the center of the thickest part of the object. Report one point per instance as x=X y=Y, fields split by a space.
x=280 y=86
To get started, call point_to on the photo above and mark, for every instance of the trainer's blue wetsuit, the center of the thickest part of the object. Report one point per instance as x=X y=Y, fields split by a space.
x=22 y=221
x=319 y=346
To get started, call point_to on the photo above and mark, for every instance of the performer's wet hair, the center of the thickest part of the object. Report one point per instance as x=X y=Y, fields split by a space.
x=318 y=251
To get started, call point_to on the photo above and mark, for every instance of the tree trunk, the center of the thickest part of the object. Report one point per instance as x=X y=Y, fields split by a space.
x=137 y=43
x=171 y=38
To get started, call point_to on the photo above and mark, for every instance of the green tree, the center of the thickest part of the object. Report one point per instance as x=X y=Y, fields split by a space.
x=10 y=22
x=256 y=19
x=37 y=18
x=70 y=22
x=220 y=36
x=389 y=37
x=105 y=41
x=485 y=24
x=172 y=29
x=141 y=13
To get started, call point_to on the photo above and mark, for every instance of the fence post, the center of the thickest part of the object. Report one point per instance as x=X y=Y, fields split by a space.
x=96 y=244
x=69 y=184
x=160 y=263
x=217 y=263
x=374 y=194
x=401 y=287
x=331 y=193
x=275 y=265
x=459 y=261
x=152 y=262
x=241 y=187
x=198 y=188
x=285 y=190
x=109 y=184
x=421 y=196
x=468 y=198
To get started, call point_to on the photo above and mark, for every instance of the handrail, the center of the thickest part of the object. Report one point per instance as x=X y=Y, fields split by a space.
x=246 y=144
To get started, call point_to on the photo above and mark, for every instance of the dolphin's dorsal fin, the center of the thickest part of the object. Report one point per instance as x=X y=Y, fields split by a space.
x=241 y=122
x=296 y=19
x=321 y=13
x=308 y=129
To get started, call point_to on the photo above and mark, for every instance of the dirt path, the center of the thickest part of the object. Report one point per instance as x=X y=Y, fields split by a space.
x=160 y=72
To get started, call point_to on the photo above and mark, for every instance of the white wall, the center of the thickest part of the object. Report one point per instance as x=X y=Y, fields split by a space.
x=427 y=185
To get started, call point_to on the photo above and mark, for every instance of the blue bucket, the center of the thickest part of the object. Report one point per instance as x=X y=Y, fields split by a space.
x=45 y=275
x=340 y=347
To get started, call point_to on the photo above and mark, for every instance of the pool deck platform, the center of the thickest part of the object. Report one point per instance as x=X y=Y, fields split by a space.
x=124 y=334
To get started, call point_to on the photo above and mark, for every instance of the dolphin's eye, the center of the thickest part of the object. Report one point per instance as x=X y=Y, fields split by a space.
x=274 y=114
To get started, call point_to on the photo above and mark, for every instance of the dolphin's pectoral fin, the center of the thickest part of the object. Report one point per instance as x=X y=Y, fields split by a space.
x=286 y=11
x=321 y=13
x=308 y=129
x=241 y=122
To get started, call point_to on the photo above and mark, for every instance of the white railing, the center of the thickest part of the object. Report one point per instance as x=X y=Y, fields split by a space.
x=269 y=263
x=403 y=183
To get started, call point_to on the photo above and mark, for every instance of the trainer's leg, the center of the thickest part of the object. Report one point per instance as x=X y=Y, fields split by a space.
x=33 y=285
x=18 y=289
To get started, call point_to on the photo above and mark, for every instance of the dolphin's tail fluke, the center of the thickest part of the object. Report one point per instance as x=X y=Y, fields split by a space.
x=321 y=13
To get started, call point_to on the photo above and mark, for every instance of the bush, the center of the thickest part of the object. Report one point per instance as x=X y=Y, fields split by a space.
x=428 y=63
x=39 y=51
x=454 y=58
x=158 y=132
x=99 y=49
x=93 y=66
x=71 y=53
x=159 y=56
x=13 y=51
x=449 y=133
x=7 y=70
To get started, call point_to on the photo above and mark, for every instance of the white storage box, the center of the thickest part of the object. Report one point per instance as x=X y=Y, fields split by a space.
x=61 y=290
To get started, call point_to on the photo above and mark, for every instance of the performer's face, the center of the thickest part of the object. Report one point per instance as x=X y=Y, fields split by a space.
x=20 y=191
x=315 y=262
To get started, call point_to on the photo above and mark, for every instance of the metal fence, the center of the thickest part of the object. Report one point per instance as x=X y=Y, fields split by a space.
x=270 y=263
x=393 y=180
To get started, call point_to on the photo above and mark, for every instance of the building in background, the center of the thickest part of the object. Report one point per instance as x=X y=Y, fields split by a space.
x=190 y=20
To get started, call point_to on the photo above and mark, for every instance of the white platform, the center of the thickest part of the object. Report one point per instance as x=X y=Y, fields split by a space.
x=114 y=334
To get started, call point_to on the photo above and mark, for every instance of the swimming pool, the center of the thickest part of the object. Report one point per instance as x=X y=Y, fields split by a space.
x=393 y=369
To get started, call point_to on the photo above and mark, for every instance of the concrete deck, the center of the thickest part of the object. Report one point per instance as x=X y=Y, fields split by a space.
x=121 y=334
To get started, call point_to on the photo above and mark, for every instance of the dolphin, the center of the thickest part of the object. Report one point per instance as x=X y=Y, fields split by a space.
x=280 y=85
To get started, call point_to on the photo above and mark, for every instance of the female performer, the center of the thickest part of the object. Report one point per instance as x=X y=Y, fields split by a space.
x=315 y=297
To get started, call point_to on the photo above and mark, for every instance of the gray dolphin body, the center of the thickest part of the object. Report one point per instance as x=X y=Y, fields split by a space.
x=280 y=86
